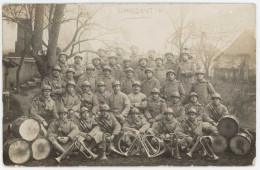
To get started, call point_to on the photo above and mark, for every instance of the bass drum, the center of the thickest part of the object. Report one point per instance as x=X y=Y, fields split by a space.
x=241 y=143
x=228 y=126
x=41 y=148
x=218 y=143
x=26 y=128
x=18 y=150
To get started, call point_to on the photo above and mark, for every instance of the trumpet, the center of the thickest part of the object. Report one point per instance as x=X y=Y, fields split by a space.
x=104 y=146
x=191 y=148
x=208 y=149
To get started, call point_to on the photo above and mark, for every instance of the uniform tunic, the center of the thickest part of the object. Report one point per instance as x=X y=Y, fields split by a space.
x=91 y=79
x=113 y=125
x=139 y=124
x=178 y=110
x=63 y=67
x=148 y=85
x=140 y=73
x=65 y=80
x=151 y=62
x=160 y=73
x=126 y=85
x=90 y=101
x=117 y=72
x=170 y=65
x=154 y=107
x=168 y=87
x=71 y=102
x=221 y=111
x=108 y=82
x=79 y=70
x=102 y=97
x=164 y=126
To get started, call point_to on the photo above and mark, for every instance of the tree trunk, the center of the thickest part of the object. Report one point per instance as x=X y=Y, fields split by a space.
x=54 y=35
x=38 y=27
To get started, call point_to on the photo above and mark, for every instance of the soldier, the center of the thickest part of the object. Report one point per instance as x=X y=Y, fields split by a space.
x=88 y=98
x=169 y=64
x=202 y=87
x=172 y=85
x=88 y=76
x=140 y=70
x=120 y=55
x=71 y=101
x=126 y=65
x=89 y=128
x=185 y=71
x=119 y=103
x=55 y=82
x=177 y=107
x=215 y=109
x=96 y=61
x=134 y=57
x=43 y=108
x=151 y=57
x=116 y=70
x=107 y=78
x=160 y=70
x=101 y=93
x=70 y=72
x=62 y=63
x=138 y=99
x=78 y=67
x=103 y=56
x=149 y=83
x=126 y=83
x=155 y=106
x=62 y=132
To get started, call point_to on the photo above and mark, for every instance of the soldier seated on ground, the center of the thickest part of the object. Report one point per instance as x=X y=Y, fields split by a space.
x=159 y=70
x=101 y=93
x=177 y=107
x=43 y=108
x=215 y=109
x=119 y=103
x=127 y=82
x=89 y=129
x=89 y=99
x=69 y=76
x=62 y=132
x=150 y=82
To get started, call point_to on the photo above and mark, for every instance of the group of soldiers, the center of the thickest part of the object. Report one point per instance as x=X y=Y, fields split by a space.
x=117 y=95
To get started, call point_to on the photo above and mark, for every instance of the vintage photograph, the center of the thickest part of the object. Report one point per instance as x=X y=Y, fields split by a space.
x=118 y=84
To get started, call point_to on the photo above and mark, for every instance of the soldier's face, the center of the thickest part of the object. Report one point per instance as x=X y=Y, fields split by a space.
x=89 y=71
x=85 y=88
x=62 y=58
x=46 y=93
x=169 y=57
x=70 y=88
x=70 y=75
x=104 y=113
x=96 y=62
x=155 y=96
x=127 y=64
x=185 y=57
x=135 y=115
x=149 y=74
x=192 y=116
x=116 y=88
x=199 y=76
x=158 y=62
x=63 y=116
x=194 y=99
x=107 y=73
x=170 y=76
x=175 y=99
x=55 y=73
x=77 y=60
x=112 y=60
x=85 y=115
x=136 y=88
x=101 y=53
x=134 y=50
x=143 y=62
x=169 y=116
x=129 y=74
x=119 y=51
x=101 y=88
x=216 y=101
x=151 y=53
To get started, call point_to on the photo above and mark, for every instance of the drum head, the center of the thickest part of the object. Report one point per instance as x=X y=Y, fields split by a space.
x=219 y=144
x=19 y=151
x=240 y=144
x=41 y=149
x=228 y=127
x=29 y=129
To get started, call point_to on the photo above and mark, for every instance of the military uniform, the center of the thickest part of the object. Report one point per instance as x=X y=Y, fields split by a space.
x=164 y=127
x=102 y=97
x=43 y=109
x=79 y=70
x=65 y=80
x=160 y=73
x=169 y=87
x=71 y=102
x=135 y=61
x=221 y=111
x=150 y=62
x=91 y=79
x=140 y=73
x=139 y=124
x=187 y=78
x=90 y=101
x=170 y=65
x=108 y=82
x=126 y=85
x=114 y=127
x=178 y=110
x=98 y=71
x=117 y=72
x=148 y=85
x=154 y=107
x=63 y=67
x=138 y=100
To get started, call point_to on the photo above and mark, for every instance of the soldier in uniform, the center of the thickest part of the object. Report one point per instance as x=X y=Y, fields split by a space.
x=120 y=55
x=62 y=131
x=155 y=106
x=103 y=56
x=88 y=76
x=177 y=107
x=116 y=70
x=170 y=64
x=107 y=78
x=134 y=57
x=62 y=63
x=43 y=108
x=215 y=109
x=88 y=98
x=55 y=82
x=150 y=58
x=78 y=67
x=96 y=61
x=140 y=70
x=70 y=72
x=138 y=99
x=149 y=83
x=202 y=87
x=71 y=101
x=126 y=83
x=119 y=103
x=172 y=85
x=185 y=71
x=160 y=70
x=126 y=65
x=101 y=92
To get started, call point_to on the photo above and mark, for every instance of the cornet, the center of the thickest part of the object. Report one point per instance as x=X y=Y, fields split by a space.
x=208 y=149
x=191 y=148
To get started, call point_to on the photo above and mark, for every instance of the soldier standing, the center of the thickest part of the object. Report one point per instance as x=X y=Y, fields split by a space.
x=62 y=62
x=185 y=71
x=101 y=93
x=107 y=78
x=120 y=55
x=170 y=64
x=103 y=56
x=70 y=72
x=126 y=65
x=140 y=70
x=172 y=85
x=126 y=83
x=177 y=107
x=160 y=70
x=116 y=70
x=88 y=76
x=96 y=61
x=134 y=57
x=149 y=83
x=78 y=67
x=150 y=58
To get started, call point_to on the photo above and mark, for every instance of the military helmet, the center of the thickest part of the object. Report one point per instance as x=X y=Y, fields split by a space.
x=136 y=83
x=63 y=54
x=170 y=71
x=155 y=90
x=142 y=58
x=96 y=58
x=157 y=58
x=100 y=83
x=130 y=69
x=200 y=72
x=135 y=111
x=112 y=55
x=216 y=95
x=166 y=54
x=70 y=70
x=85 y=83
x=176 y=94
x=45 y=87
x=149 y=69
x=126 y=59
x=56 y=67
x=193 y=94
x=115 y=83
x=63 y=110
x=90 y=67
x=192 y=110
x=104 y=107
x=189 y=56
x=78 y=56
x=168 y=110
x=71 y=83
x=83 y=109
x=107 y=68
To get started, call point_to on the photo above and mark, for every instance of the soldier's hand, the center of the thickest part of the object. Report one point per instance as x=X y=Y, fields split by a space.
x=122 y=118
x=112 y=138
x=215 y=133
x=151 y=120
x=45 y=124
x=71 y=111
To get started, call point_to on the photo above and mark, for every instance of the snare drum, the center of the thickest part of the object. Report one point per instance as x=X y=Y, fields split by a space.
x=228 y=125
x=41 y=148
x=241 y=143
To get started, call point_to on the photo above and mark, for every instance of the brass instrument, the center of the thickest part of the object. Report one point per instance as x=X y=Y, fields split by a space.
x=104 y=146
x=208 y=149
x=214 y=112
x=191 y=148
x=42 y=52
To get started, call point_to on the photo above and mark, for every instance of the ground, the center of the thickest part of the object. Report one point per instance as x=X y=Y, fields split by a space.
x=239 y=97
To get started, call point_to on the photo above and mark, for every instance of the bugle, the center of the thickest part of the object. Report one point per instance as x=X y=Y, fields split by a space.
x=208 y=149
x=80 y=144
x=191 y=148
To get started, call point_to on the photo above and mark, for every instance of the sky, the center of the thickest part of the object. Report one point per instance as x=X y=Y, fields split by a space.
x=148 y=26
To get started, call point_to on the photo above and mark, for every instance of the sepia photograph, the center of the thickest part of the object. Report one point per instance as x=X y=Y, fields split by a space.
x=128 y=84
